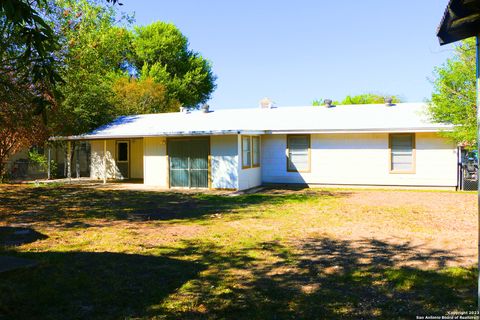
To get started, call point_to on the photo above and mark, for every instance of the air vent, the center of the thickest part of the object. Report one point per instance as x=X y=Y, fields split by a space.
x=388 y=101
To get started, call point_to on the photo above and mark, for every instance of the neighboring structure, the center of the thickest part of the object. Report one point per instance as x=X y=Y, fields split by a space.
x=21 y=167
x=379 y=145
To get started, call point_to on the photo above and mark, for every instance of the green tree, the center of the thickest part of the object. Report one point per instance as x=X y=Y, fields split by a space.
x=365 y=98
x=37 y=40
x=161 y=52
x=94 y=54
x=453 y=98
x=140 y=96
x=24 y=95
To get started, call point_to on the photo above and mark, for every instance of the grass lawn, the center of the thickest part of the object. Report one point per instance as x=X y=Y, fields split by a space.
x=111 y=253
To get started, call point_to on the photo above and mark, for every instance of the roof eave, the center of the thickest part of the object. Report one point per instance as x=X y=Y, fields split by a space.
x=364 y=130
x=460 y=20
x=162 y=134
x=252 y=132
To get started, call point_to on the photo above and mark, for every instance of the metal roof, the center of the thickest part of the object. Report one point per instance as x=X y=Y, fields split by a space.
x=402 y=117
x=461 y=20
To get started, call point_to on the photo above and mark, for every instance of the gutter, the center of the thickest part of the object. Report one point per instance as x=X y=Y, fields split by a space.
x=165 y=134
x=246 y=132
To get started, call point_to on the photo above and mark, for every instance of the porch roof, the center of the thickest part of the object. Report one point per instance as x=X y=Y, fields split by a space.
x=461 y=20
x=402 y=117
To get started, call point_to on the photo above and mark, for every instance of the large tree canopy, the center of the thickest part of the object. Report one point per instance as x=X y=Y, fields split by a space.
x=80 y=63
x=37 y=39
x=160 y=51
x=453 y=98
x=111 y=70
x=94 y=51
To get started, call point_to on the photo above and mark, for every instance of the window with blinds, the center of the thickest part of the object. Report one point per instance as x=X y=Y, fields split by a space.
x=298 y=153
x=402 y=153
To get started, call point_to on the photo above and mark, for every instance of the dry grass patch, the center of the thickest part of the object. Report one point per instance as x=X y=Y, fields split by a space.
x=116 y=252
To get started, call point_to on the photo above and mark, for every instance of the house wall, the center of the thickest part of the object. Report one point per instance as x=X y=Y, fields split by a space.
x=136 y=158
x=155 y=163
x=96 y=165
x=361 y=159
x=248 y=177
x=224 y=162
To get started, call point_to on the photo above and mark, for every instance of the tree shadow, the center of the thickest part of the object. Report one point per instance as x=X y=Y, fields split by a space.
x=91 y=285
x=319 y=278
x=330 y=279
x=65 y=205
x=16 y=236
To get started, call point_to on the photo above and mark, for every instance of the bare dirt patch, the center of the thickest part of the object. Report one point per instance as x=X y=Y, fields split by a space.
x=427 y=221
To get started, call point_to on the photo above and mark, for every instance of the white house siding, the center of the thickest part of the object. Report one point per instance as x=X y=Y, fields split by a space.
x=361 y=159
x=96 y=164
x=155 y=162
x=224 y=162
x=248 y=177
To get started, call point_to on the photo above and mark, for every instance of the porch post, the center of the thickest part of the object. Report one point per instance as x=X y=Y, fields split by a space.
x=69 y=160
x=77 y=160
x=49 y=174
x=104 y=161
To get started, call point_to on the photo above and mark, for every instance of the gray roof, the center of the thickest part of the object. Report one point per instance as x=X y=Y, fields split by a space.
x=402 y=117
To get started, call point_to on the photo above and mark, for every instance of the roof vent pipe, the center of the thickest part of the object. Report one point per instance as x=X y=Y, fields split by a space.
x=205 y=108
x=388 y=101
x=328 y=103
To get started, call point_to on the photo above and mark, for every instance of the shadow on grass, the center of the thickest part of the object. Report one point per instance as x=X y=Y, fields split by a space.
x=316 y=279
x=15 y=236
x=84 y=285
x=64 y=205
x=328 y=279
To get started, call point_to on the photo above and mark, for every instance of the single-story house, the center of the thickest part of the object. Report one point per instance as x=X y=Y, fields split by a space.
x=377 y=145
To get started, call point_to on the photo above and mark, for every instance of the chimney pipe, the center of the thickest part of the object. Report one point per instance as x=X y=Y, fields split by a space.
x=328 y=103
x=266 y=103
x=205 y=108
x=184 y=110
x=388 y=101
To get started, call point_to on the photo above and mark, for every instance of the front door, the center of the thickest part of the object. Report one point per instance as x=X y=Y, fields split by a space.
x=188 y=162
x=123 y=158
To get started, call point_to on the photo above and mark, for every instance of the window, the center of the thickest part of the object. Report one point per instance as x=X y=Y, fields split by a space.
x=250 y=151
x=402 y=153
x=298 y=153
x=122 y=151
x=246 y=152
x=255 y=151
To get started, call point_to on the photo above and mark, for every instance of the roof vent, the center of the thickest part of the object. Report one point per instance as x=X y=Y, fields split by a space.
x=266 y=103
x=205 y=108
x=184 y=110
x=388 y=101
x=328 y=103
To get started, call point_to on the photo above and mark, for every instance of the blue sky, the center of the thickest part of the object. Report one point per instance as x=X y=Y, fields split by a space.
x=296 y=51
